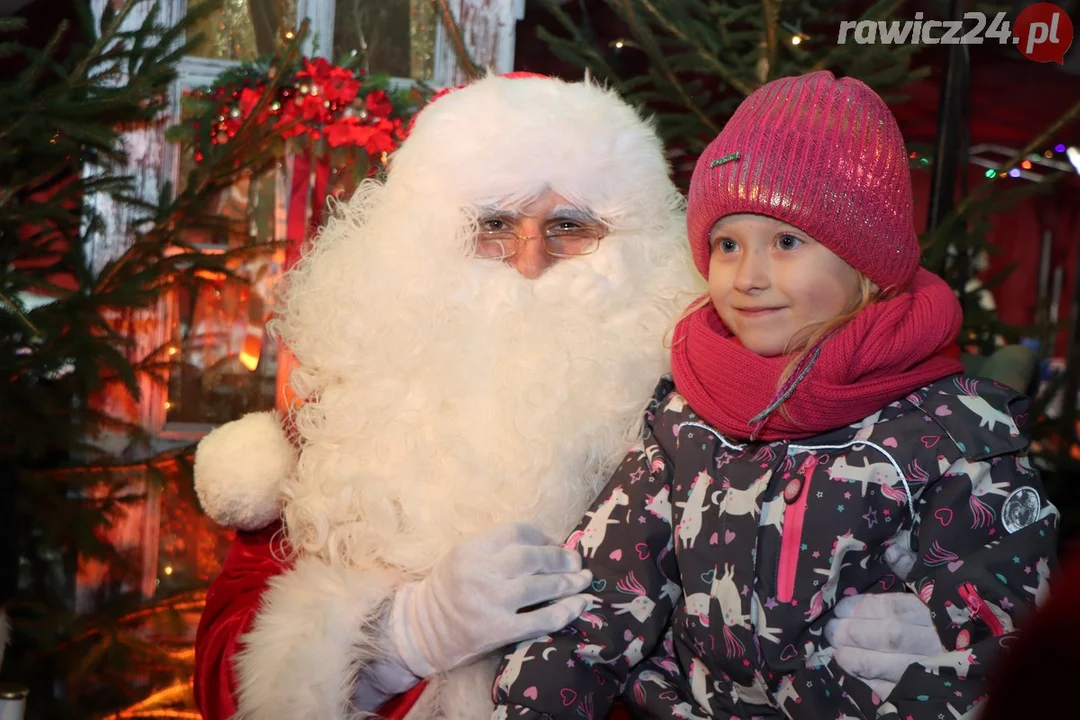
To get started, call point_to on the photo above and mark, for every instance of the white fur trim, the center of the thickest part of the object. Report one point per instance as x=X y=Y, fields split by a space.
x=318 y=627
x=239 y=468
x=461 y=694
x=577 y=138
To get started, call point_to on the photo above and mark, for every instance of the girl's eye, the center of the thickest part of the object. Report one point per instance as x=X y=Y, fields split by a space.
x=725 y=245
x=788 y=242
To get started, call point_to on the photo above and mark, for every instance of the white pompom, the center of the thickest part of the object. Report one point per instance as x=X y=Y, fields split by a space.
x=240 y=468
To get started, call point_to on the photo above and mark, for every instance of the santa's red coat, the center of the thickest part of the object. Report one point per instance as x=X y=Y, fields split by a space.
x=231 y=604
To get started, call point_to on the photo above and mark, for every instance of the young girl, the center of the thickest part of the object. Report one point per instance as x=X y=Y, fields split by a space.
x=815 y=418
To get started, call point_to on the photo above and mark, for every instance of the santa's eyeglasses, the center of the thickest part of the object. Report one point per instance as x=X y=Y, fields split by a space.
x=560 y=242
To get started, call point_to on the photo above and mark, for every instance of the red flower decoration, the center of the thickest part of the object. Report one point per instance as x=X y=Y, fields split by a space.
x=313 y=109
x=291 y=122
x=249 y=98
x=314 y=69
x=378 y=104
x=399 y=130
x=326 y=109
x=381 y=139
x=340 y=86
x=348 y=131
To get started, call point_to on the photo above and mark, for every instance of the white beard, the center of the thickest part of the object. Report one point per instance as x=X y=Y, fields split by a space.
x=472 y=396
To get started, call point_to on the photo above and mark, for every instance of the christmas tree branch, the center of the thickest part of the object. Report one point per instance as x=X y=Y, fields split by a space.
x=710 y=61
x=73 y=390
x=1039 y=141
x=880 y=10
x=166 y=696
x=661 y=63
x=465 y=62
x=578 y=49
x=109 y=32
x=771 y=16
x=26 y=82
x=25 y=320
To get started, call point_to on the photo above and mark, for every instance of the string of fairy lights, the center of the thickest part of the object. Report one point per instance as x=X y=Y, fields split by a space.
x=995 y=158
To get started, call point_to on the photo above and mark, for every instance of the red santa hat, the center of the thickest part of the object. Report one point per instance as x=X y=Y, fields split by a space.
x=519 y=132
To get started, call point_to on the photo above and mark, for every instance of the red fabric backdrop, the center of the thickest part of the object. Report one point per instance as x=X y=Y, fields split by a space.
x=1017 y=235
x=1012 y=101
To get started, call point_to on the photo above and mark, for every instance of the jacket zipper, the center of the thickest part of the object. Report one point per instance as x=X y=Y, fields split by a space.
x=979 y=608
x=796 y=495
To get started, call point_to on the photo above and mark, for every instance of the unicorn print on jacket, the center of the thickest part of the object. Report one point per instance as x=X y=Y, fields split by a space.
x=693 y=508
x=592 y=537
x=812 y=518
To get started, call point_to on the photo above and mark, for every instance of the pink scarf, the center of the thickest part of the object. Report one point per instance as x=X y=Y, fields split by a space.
x=889 y=349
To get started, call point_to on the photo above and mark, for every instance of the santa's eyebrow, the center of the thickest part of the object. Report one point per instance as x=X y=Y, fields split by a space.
x=573 y=212
x=499 y=212
x=559 y=212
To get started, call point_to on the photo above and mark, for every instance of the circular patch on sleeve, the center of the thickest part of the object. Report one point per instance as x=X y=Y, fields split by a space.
x=1021 y=508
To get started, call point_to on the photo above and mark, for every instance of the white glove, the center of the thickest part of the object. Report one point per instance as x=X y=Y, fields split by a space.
x=878 y=636
x=383 y=679
x=469 y=604
x=899 y=556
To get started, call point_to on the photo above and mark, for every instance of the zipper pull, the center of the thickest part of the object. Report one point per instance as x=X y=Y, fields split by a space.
x=970 y=595
x=795 y=486
x=793 y=489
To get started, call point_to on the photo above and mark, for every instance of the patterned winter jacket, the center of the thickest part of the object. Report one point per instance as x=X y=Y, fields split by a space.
x=726 y=559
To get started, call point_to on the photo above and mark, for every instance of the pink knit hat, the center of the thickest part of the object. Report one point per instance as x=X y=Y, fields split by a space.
x=823 y=155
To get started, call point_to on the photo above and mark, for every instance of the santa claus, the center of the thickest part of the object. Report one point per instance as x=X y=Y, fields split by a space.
x=476 y=339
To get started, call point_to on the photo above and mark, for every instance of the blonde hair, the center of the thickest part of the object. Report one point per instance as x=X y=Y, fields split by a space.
x=669 y=334
x=806 y=339
x=809 y=336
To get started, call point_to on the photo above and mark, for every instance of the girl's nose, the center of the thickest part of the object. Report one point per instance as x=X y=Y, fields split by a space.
x=753 y=272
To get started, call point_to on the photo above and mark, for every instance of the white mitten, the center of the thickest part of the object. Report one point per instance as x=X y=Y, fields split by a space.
x=468 y=605
x=878 y=636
